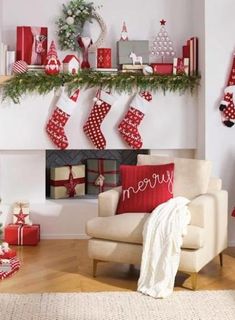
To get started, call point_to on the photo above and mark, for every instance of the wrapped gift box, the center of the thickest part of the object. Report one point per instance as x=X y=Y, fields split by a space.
x=102 y=175
x=8 y=267
x=162 y=68
x=104 y=58
x=67 y=181
x=8 y=255
x=21 y=213
x=181 y=65
x=22 y=234
x=139 y=47
x=31 y=44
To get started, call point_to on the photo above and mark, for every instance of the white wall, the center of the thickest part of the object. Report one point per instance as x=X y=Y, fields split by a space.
x=174 y=111
x=219 y=140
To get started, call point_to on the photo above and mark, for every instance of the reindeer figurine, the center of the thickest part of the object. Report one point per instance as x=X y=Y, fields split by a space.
x=136 y=58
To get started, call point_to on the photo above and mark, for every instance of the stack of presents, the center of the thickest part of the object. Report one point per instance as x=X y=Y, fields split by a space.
x=21 y=232
x=71 y=181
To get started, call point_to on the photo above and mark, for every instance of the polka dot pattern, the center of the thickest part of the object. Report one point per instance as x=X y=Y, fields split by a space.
x=129 y=125
x=229 y=111
x=92 y=127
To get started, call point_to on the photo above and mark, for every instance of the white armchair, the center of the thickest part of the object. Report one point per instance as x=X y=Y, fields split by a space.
x=118 y=238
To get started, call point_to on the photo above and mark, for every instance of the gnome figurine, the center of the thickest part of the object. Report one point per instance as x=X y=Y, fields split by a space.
x=52 y=66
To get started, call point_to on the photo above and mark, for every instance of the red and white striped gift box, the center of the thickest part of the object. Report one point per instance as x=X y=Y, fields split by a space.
x=8 y=267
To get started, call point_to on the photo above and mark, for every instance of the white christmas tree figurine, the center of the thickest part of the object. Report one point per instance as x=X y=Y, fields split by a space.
x=124 y=33
x=162 y=44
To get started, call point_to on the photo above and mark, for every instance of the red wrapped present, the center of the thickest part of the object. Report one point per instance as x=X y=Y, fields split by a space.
x=8 y=255
x=181 y=66
x=8 y=267
x=31 y=45
x=104 y=58
x=162 y=68
x=22 y=234
x=67 y=181
x=102 y=175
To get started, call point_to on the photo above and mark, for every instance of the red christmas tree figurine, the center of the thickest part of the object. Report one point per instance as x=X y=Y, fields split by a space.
x=52 y=66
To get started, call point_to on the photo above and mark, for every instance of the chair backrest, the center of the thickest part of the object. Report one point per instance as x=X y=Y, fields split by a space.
x=191 y=177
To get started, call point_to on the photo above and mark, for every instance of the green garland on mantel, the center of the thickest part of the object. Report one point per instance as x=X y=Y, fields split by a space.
x=37 y=82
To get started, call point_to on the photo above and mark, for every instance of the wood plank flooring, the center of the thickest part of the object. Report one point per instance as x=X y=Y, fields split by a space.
x=63 y=266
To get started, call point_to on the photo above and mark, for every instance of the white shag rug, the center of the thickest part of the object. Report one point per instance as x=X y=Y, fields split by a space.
x=183 y=305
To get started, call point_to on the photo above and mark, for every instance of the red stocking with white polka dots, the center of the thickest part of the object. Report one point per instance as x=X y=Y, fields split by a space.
x=227 y=107
x=55 y=126
x=129 y=125
x=92 y=128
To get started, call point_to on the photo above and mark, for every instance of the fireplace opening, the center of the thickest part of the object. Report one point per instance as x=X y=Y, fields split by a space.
x=99 y=178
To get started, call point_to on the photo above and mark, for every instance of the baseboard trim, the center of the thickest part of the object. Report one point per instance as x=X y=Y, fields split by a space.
x=64 y=236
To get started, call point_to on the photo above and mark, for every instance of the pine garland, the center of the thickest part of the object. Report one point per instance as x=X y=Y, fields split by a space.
x=36 y=82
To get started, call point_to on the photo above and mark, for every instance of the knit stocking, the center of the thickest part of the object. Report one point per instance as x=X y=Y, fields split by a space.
x=92 y=127
x=135 y=114
x=55 y=126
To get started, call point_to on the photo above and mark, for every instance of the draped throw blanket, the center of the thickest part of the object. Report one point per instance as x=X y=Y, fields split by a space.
x=162 y=240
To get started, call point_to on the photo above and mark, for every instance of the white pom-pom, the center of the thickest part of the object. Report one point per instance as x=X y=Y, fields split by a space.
x=95 y=99
x=70 y=20
x=147 y=70
x=99 y=102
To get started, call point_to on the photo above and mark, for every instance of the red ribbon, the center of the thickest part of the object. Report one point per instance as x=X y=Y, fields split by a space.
x=102 y=172
x=69 y=184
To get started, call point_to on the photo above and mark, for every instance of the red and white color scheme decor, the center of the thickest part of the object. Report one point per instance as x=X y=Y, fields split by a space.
x=8 y=267
x=102 y=175
x=128 y=127
x=124 y=33
x=71 y=64
x=6 y=252
x=67 y=181
x=190 y=51
x=31 y=44
x=104 y=58
x=181 y=66
x=55 y=126
x=227 y=105
x=19 y=67
x=92 y=128
x=22 y=234
x=21 y=213
x=52 y=66
x=145 y=187
x=84 y=44
x=162 y=45
x=162 y=68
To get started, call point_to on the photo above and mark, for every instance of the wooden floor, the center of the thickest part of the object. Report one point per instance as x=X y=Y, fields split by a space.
x=63 y=266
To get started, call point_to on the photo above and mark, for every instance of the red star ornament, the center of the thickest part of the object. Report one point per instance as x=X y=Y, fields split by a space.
x=20 y=217
x=163 y=22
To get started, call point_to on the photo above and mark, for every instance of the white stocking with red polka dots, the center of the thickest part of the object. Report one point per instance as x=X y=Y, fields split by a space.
x=92 y=127
x=55 y=126
x=135 y=114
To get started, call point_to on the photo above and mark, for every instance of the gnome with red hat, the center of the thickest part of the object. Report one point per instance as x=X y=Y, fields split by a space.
x=52 y=66
x=227 y=105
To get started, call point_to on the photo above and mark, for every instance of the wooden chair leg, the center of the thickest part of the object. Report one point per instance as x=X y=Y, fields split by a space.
x=194 y=280
x=95 y=262
x=221 y=259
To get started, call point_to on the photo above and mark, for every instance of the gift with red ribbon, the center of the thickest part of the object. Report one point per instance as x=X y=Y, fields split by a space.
x=22 y=234
x=181 y=66
x=8 y=267
x=102 y=175
x=104 y=58
x=31 y=44
x=67 y=181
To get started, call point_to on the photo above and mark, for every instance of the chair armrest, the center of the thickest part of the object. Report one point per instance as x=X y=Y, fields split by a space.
x=108 y=202
x=210 y=211
x=215 y=184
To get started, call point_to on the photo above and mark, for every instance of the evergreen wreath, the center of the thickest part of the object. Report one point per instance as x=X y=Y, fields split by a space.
x=71 y=23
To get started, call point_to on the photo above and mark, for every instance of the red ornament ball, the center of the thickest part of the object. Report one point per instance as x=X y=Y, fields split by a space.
x=20 y=67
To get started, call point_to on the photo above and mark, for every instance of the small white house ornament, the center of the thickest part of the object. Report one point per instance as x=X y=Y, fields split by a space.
x=71 y=64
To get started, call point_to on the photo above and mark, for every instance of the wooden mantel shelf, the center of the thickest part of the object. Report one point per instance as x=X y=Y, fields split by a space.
x=4 y=78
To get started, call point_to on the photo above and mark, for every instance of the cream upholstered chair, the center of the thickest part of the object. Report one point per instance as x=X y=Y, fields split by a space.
x=118 y=238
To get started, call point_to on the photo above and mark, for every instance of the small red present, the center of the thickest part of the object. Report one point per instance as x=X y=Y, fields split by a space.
x=181 y=66
x=8 y=255
x=8 y=267
x=22 y=234
x=162 y=68
x=104 y=58
x=31 y=44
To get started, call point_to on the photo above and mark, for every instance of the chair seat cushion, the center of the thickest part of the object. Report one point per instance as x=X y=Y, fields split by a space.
x=128 y=227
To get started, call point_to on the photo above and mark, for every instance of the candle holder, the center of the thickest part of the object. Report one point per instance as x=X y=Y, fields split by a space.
x=84 y=43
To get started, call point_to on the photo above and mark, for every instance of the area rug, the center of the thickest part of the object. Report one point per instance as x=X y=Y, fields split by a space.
x=182 y=305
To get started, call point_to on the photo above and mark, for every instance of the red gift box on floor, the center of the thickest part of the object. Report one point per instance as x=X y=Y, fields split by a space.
x=104 y=58
x=162 y=68
x=8 y=267
x=31 y=45
x=22 y=234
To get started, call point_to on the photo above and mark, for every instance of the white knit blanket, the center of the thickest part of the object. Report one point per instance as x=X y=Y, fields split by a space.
x=162 y=240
